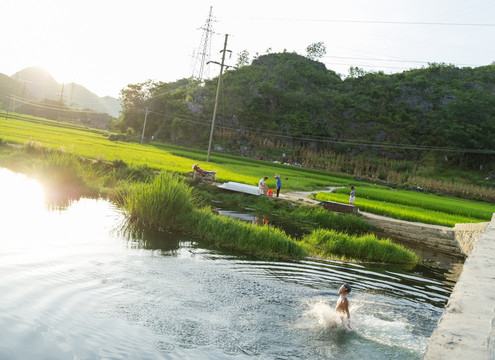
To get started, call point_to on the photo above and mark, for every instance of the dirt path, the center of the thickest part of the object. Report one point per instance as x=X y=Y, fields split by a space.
x=303 y=196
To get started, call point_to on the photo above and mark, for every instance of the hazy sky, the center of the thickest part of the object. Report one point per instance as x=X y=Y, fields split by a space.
x=106 y=44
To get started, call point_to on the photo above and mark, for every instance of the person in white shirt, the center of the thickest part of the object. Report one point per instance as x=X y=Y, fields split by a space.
x=262 y=186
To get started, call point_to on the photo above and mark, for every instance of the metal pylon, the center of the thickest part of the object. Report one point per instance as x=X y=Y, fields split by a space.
x=202 y=56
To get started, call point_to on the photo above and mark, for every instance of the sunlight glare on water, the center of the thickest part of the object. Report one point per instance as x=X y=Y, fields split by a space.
x=74 y=285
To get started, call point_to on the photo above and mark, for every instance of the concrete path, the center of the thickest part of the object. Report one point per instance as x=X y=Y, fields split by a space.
x=466 y=329
x=303 y=196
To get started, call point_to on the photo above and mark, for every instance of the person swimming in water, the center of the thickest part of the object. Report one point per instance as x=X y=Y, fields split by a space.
x=342 y=307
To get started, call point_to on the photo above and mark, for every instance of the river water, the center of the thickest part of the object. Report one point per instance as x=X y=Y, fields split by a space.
x=75 y=285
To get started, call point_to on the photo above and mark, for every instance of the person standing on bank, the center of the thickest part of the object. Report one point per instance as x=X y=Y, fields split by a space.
x=279 y=183
x=352 y=197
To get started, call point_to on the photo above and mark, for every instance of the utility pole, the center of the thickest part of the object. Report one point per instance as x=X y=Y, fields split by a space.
x=61 y=101
x=7 y=113
x=62 y=94
x=144 y=125
x=23 y=93
x=216 y=98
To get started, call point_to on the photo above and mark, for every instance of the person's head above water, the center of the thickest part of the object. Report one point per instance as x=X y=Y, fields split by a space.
x=345 y=288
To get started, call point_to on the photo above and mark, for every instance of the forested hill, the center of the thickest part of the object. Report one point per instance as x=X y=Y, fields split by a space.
x=292 y=100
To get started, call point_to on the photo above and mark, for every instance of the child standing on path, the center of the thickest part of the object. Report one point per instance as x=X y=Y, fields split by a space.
x=342 y=307
x=279 y=183
x=353 y=196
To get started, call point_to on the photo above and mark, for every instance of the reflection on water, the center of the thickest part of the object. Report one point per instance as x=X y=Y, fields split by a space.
x=75 y=284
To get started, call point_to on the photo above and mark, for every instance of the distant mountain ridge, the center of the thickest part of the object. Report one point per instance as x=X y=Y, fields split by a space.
x=37 y=84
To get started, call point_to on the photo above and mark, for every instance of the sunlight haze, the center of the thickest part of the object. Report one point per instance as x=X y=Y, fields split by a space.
x=106 y=45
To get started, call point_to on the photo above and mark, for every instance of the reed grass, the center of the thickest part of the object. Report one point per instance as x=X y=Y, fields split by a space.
x=263 y=241
x=162 y=204
x=331 y=243
x=322 y=218
x=399 y=172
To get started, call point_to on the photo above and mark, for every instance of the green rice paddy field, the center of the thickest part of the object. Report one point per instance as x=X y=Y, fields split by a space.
x=94 y=144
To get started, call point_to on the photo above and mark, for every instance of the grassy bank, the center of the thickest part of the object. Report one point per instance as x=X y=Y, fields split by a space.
x=314 y=215
x=67 y=175
x=166 y=203
x=324 y=243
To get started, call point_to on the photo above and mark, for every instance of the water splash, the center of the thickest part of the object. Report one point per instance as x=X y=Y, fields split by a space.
x=320 y=313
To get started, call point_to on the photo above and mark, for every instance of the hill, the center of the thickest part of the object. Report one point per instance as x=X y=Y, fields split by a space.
x=34 y=83
x=285 y=103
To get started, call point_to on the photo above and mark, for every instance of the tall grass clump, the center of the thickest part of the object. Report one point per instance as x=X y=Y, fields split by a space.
x=331 y=243
x=63 y=175
x=263 y=241
x=161 y=204
x=331 y=220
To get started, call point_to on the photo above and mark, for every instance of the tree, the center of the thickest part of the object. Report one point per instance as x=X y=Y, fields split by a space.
x=134 y=98
x=242 y=59
x=355 y=72
x=316 y=51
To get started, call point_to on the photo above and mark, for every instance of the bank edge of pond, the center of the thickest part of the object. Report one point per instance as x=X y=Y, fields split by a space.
x=167 y=202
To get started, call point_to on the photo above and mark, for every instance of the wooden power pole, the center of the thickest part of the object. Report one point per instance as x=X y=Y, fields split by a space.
x=216 y=98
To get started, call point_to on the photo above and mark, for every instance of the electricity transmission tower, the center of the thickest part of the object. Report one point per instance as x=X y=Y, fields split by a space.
x=200 y=67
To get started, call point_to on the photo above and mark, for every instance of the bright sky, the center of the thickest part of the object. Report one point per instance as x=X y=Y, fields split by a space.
x=106 y=44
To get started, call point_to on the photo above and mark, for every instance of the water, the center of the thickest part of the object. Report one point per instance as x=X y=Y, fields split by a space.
x=74 y=285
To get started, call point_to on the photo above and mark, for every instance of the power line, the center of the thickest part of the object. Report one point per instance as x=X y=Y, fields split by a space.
x=389 y=60
x=31 y=103
x=368 y=21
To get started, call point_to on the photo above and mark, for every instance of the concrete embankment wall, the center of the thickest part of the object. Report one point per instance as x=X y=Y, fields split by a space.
x=466 y=329
x=457 y=241
x=467 y=235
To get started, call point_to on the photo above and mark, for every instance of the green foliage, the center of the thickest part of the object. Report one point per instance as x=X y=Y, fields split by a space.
x=315 y=216
x=366 y=247
x=331 y=220
x=242 y=59
x=263 y=241
x=316 y=51
x=162 y=204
